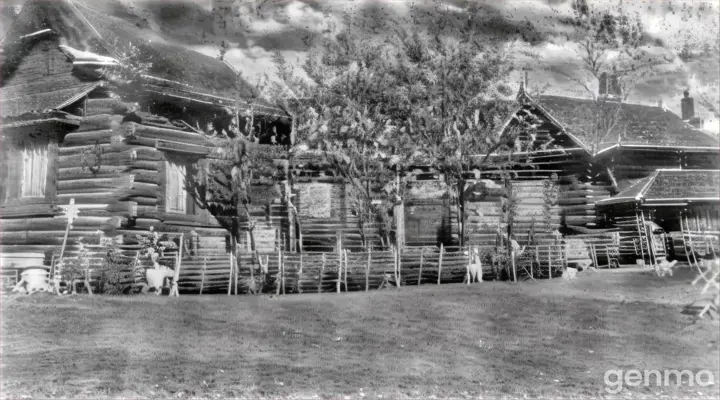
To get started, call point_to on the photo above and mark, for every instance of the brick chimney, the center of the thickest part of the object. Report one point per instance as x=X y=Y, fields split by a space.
x=687 y=105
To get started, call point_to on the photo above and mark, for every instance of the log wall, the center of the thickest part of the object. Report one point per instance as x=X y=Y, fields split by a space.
x=117 y=180
x=327 y=216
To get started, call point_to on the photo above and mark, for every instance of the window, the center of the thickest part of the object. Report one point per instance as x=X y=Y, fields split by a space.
x=175 y=195
x=34 y=171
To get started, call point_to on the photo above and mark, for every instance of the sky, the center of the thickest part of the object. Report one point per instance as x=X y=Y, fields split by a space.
x=256 y=29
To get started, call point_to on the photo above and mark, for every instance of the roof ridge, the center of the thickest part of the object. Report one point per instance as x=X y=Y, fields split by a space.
x=558 y=123
x=593 y=100
x=647 y=185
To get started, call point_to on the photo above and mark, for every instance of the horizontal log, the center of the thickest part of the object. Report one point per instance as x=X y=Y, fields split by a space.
x=145 y=131
x=147 y=165
x=576 y=201
x=28 y=210
x=50 y=238
x=578 y=207
x=124 y=157
x=104 y=148
x=124 y=181
x=99 y=121
x=141 y=200
x=144 y=190
x=573 y=219
x=90 y=137
x=57 y=223
x=105 y=171
x=97 y=198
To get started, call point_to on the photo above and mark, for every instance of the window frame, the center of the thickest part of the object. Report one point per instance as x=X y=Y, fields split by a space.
x=175 y=172
x=35 y=158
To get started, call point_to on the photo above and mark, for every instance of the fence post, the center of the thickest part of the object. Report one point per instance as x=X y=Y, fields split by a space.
x=202 y=276
x=279 y=279
x=284 y=275
x=422 y=256
x=339 y=275
x=236 y=263
x=399 y=266
x=322 y=271
x=395 y=266
x=299 y=281
x=231 y=274
x=531 y=270
x=367 y=270
x=346 y=271
x=174 y=291
x=442 y=249
x=550 y=261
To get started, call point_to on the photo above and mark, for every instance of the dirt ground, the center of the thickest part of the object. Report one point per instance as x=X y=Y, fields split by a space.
x=552 y=339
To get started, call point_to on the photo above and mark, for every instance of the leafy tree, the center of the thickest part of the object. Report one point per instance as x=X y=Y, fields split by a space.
x=222 y=183
x=456 y=99
x=432 y=90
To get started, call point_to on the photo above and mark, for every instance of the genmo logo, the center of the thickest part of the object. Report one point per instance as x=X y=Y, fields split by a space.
x=616 y=379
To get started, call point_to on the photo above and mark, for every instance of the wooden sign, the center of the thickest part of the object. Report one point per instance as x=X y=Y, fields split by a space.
x=424 y=221
x=315 y=199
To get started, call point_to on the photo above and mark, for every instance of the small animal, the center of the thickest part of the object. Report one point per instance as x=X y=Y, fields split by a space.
x=254 y=287
x=664 y=267
x=570 y=273
x=474 y=272
x=156 y=277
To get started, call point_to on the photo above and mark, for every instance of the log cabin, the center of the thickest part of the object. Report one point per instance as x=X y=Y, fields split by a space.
x=678 y=201
x=642 y=145
x=94 y=111
x=569 y=179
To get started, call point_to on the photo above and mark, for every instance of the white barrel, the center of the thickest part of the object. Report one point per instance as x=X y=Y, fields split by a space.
x=37 y=279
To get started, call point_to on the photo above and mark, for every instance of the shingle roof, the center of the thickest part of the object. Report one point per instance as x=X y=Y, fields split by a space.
x=636 y=124
x=676 y=185
x=171 y=62
x=29 y=96
x=90 y=29
x=684 y=184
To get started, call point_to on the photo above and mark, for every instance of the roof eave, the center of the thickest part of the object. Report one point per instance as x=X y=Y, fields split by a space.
x=617 y=200
x=655 y=147
x=559 y=125
x=35 y=122
x=683 y=199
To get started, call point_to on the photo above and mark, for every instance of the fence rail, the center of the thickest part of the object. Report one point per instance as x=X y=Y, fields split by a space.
x=204 y=271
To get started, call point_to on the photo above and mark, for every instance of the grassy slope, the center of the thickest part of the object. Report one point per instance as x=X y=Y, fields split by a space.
x=492 y=339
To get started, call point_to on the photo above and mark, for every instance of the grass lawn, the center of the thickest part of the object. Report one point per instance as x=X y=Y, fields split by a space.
x=493 y=339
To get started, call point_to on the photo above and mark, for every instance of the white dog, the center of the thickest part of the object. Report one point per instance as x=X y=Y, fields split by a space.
x=156 y=277
x=474 y=269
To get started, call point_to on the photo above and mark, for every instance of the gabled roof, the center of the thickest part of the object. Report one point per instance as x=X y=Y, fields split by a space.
x=671 y=186
x=635 y=124
x=179 y=71
x=36 y=96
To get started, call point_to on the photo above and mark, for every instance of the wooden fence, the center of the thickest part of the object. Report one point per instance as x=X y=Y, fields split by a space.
x=316 y=272
x=216 y=271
